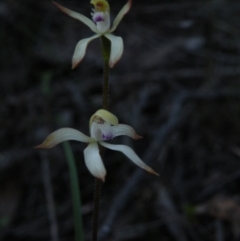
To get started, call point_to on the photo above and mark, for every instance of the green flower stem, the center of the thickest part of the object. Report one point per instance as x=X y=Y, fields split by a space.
x=76 y=198
x=106 y=48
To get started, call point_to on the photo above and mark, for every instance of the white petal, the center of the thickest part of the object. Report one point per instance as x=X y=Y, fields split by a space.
x=116 y=48
x=125 y=130
x=80 y=50
x=79 y=17
x=94 y=162
x=121 y=14
x=126 y=150
x=64 y=134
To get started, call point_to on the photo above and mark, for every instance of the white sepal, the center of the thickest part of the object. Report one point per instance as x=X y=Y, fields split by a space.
x=116 y=48
x=126 y=150
x=64 y=134
x=80 y=50
x=125 y=130
x=94 y=161
x=120 y=15
x=79 y=17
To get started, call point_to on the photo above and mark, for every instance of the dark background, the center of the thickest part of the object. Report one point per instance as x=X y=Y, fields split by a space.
x=177 y=84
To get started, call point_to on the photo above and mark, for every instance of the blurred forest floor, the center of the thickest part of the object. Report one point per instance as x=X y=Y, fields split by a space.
x=177 y=84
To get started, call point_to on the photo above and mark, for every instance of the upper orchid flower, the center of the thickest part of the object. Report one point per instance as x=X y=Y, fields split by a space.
x=103 y=126
x=101 y=26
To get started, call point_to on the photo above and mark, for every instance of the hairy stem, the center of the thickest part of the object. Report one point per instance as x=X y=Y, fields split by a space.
x=97 y=195
x=106 y=48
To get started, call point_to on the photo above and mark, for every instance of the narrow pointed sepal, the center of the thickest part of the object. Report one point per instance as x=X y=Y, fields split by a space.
x=127 y=151
x=120 y=15
x=63 y=134
x=79 y=17
x=80 y=50
x=125 y=130
x=94 y=161
x=116 y=49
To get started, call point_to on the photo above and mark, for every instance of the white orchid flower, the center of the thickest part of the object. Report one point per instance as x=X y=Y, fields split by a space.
x=101 y=26
x=103 y=126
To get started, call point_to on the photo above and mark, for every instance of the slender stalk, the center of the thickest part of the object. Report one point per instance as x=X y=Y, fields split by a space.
x=106 y=48
x=96 y=203
x=76 y=199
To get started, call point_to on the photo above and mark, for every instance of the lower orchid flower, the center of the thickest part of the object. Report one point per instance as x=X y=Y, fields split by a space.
x=103 y=126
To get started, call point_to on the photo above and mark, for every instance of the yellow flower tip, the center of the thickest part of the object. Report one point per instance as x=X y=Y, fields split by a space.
x=111 y=64
x=130 y=3
x=137 y=137
x=38 y=147
x=104 y=115
x=102 y=179
x=101 y=5
x=75 y=64
x=44 y=145
x=63 y=9
x=150 y=170
x=48 y=143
